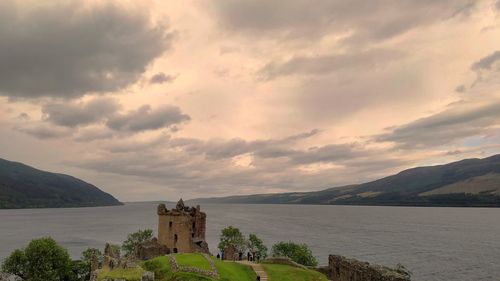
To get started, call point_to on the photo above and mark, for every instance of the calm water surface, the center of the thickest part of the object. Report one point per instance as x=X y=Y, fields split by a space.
x=435 y=243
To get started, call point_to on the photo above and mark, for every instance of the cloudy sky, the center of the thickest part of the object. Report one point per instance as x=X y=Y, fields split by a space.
x=153 y=100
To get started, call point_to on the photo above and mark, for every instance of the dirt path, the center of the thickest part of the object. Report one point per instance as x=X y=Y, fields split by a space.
x=257 y=268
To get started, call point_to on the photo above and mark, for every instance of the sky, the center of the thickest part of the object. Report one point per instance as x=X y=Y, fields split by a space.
x=156 y=100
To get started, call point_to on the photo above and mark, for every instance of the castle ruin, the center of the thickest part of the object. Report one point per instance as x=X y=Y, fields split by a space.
x=182 y=229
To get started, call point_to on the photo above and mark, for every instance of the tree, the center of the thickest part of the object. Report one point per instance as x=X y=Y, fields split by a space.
x=232 y=236
x=42 y=260
x=256 y=246
x=82 y=268
x=299 y=253
x=136 y=238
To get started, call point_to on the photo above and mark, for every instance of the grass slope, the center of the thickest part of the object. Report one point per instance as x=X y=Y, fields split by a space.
x=281 y=272
x=194 y=260
x=228 y=271
x=133 y=274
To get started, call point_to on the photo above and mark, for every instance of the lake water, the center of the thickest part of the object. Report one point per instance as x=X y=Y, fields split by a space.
x=435 y=243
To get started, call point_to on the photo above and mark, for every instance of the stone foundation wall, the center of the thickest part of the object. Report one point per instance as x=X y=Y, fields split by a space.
x=343 y=269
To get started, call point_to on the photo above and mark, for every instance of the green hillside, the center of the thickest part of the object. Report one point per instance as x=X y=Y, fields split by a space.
x=470 y=182
x=227 y=271
x=22 y=186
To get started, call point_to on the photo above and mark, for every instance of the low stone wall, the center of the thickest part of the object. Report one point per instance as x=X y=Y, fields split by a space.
x=344 y=269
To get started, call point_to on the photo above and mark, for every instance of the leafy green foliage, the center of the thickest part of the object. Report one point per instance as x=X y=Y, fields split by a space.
x=256 y=246
x=42 y=260
x=134 y=239
x=89 y=252
x=82 y=268
x=299 y=253
x=80 y=271
x=16 y=263
x=232 y=236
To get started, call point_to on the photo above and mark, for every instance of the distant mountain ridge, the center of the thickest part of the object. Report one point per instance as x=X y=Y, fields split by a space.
x=469 y=182
x=22 y=186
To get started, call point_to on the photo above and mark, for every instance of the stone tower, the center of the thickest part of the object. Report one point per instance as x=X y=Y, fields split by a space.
x=182 y=229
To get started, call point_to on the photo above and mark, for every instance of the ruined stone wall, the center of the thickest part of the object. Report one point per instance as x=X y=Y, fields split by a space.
x=200 y=221
x=182 y=229
x=175 y=232
x=343 y=269
x=150 y=249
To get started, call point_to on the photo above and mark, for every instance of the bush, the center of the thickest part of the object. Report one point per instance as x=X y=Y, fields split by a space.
x=16 y=263
x=232 y=236
x=299 y=253
x=136 y=238
x=42 y=260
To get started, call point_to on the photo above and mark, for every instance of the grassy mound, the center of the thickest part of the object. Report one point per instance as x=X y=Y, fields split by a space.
x=228 y=271
x=231 y=271
x=281 y=272
x=133 y=274
x=193 y=260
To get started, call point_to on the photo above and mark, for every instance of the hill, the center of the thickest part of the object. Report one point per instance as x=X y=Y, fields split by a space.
x=22 y=186
x=470 y=182
x=182 y=270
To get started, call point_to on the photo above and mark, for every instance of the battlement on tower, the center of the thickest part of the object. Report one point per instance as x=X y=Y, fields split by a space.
x=182 y=229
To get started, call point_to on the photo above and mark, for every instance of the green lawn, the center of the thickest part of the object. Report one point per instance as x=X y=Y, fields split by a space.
x=194 y=260
x=280 y=272
x=161 y=267
x=232 y=271
x=133 y=274
x=228 y=271
x=185 y=276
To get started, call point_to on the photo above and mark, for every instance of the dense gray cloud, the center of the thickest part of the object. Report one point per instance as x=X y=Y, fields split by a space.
x=330 y=154
x=367 y=20
x=92 y=134
x=146 y=118
x=222 y=149
x=43 y=131
x=329 y=63
x=458 y=122
x=163 y=161
x=487 y=62
x=99 y=118
x=67 y=49
x=72 y=114
x=161 y=78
